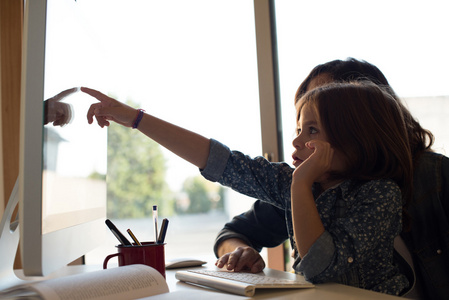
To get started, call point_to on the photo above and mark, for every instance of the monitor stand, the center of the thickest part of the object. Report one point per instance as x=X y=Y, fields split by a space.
x=9 y=242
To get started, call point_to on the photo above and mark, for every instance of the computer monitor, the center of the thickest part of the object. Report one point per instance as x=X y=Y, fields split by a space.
x=62 y=174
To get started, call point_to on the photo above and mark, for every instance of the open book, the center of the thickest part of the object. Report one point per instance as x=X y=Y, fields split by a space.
x=127 y=282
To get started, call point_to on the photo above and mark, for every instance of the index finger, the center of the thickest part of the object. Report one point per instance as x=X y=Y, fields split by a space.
x=234 y=258
x=222 y=260
x=63 y=94
x=96 y=94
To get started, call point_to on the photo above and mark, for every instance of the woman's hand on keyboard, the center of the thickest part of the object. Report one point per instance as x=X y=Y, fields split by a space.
x=242 y=259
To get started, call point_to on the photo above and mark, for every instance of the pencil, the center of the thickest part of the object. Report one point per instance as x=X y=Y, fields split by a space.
x=131 y=234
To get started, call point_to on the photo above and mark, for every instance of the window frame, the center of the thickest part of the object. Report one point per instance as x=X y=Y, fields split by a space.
x=269 y=97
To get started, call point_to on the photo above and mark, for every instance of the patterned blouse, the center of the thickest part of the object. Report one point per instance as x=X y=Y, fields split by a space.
x=361 y=220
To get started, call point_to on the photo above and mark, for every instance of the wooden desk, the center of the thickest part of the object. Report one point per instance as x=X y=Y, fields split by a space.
x=185 y=291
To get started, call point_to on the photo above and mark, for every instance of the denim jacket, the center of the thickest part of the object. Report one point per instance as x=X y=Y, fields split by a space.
x=428 y=241
x=360 y=219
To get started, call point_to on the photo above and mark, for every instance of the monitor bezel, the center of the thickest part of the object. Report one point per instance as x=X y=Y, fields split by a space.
x=41 y=254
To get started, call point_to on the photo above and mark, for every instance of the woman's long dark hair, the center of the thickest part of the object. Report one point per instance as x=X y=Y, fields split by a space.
x=351 y=69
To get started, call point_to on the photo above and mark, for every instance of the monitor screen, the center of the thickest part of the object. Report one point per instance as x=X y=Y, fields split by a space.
x=62 y=181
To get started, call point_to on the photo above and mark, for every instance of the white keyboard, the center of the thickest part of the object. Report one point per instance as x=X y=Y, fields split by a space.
x=242 y=283
x=251 y=278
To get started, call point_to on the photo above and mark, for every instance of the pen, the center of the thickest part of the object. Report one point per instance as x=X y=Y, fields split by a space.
x=155 y=222
x=163 y=231
x=131 y=234
x=122 y=239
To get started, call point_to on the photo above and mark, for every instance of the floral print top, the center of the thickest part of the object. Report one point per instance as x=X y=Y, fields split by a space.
x=361 y=220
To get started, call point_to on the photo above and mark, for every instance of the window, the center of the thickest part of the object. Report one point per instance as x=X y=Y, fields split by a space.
x=192 y=63
x=405 y=39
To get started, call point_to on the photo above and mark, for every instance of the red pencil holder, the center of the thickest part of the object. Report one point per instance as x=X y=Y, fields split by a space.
x=150 y=254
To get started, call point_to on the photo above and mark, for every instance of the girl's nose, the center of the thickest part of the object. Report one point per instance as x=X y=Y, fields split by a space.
x=297 y=142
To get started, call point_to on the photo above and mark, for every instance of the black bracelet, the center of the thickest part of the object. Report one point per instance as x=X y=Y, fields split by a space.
x=138 y=118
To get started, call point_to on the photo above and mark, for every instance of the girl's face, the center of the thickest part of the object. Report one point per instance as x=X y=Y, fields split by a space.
x=309 y=128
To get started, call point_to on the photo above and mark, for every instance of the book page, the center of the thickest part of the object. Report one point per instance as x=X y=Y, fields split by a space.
x=127 y=282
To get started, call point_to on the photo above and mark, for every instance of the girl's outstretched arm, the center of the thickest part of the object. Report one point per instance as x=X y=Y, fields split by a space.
x=186 y=144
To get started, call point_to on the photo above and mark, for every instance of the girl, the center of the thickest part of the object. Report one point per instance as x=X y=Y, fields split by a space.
x=238 y=244
x=343 y=199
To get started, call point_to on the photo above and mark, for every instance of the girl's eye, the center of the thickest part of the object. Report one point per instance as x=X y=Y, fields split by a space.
x=312 y=130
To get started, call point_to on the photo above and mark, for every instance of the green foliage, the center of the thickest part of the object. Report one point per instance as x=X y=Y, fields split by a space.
x=197 y=192
x=203 y=195
x=136 y=175
x=219 y=203
x=96 y=175
x=136 y=179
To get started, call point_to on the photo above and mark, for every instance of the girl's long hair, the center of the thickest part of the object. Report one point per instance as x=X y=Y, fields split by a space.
x=351 y=69
x=365 y=123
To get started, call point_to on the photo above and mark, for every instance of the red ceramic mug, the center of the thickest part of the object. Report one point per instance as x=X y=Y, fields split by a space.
x=149 y=254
